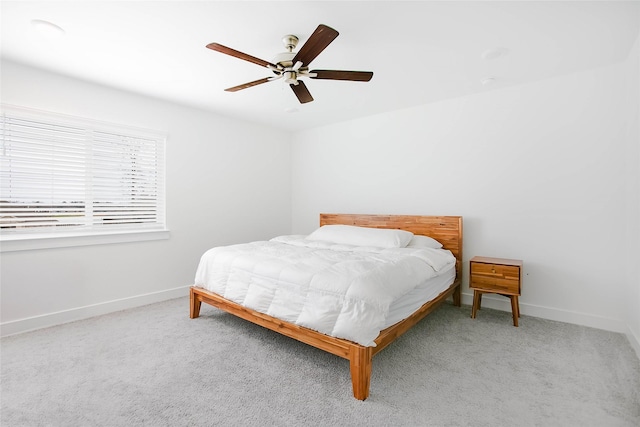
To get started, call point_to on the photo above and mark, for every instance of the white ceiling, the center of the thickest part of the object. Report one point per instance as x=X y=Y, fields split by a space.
x=419 y=51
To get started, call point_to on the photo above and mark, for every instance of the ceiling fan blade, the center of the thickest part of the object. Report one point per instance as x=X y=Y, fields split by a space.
x=246 y=85
x=237 y=54
x=356 y=76
x=319 y=40
x=302 y=92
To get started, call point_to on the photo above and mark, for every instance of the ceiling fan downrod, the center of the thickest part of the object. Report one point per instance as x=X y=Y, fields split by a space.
x=290 y=42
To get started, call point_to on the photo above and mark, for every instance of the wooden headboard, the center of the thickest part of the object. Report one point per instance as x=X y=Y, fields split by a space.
x=445 y=229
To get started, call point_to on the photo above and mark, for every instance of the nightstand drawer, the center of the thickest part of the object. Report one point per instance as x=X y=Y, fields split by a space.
x=495 y=283
x=496 y=271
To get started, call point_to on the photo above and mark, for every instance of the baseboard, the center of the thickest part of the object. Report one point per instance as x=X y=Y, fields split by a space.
x=504 y=304
x=634 y=340
x=498 y=303
x=51 y=319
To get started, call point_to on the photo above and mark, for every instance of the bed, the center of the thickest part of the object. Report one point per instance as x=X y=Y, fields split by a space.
x=445 y=229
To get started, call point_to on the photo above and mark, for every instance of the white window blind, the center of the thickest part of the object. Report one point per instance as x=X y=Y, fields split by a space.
x=73 y=175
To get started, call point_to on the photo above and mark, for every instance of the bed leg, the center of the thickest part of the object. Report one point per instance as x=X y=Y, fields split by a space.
x=360 y=359
x=456 y=296
x=194 y=305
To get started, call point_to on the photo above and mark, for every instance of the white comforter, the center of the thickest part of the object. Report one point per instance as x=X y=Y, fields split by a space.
x=340 y=290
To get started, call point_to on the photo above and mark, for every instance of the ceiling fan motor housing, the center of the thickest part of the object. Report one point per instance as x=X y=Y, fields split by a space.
x=285 y=59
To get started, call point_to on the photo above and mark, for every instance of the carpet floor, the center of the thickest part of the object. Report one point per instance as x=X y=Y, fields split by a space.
x=153 y=366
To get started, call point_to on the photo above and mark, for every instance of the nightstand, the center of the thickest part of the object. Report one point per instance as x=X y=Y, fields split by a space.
x=496 y=276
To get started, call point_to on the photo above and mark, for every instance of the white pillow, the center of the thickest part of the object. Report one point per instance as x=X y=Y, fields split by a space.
x=424 y=242
x=362 y=236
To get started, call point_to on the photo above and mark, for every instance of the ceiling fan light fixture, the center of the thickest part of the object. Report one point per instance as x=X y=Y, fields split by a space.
x=290 y=77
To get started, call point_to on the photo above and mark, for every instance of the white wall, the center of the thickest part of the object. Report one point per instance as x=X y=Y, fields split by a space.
x=545 y=172
x=227 y=182
x=537 y=171
x=632 y=296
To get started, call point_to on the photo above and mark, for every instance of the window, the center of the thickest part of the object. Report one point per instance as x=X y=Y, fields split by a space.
x=68 y=176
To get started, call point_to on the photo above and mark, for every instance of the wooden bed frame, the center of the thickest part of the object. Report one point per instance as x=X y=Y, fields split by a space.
x=446 y=229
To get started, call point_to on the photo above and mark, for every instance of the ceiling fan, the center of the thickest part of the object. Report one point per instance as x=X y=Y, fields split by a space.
x=292 y=66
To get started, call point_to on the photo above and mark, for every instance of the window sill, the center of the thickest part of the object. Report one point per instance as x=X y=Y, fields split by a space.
x=15 y=243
